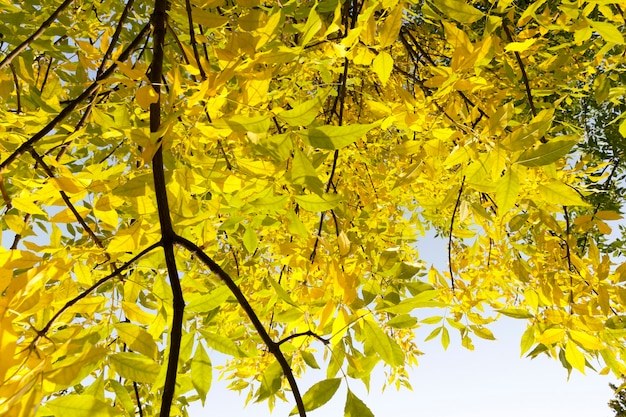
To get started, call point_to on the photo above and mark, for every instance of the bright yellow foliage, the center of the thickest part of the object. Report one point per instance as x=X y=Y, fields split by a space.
x=273 y=169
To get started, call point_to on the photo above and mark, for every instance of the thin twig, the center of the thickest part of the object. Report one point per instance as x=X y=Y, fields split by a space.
x=45 y=25
x=24 y=147
x=41 y=333
x=456 y=206
x=192 y=37
x=116 y=35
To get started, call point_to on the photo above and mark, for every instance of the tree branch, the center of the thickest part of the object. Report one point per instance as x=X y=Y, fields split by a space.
x=272 y=346
x=159 y=18
x=116 y=35
x=45 y=25
x=41 y=333
x=73 y=103
x=456 y=206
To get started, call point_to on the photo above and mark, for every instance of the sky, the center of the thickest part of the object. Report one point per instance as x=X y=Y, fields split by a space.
x=491 y=381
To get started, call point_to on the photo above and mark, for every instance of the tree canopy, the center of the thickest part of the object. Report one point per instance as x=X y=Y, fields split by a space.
x=250 y=178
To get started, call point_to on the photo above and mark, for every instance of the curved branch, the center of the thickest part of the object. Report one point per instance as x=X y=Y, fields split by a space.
x=68 y=202
x=41 y=333
x=159 y=18
x=456 y=206
x=24 y=147
x=307 y=333
x=272 y=346
x=45 y=25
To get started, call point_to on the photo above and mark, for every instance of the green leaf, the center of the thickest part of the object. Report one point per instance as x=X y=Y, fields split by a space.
x=355 y=407
x=122 y=396
x=555 y=192
x=135 y=367
x=546 y=153
x=528 y=340
x=382 y=344
x=335 y=137
x=137 y=339
x=305 y=113
x=280 y=291
x=81 y=405
x=608 y=32
x=445 y=338
x=337 y=357
x=507 y=190
x=270 y=381
x=250 y=239
x=221 y=344
x=402 y=321
x=201 y=372
x=319 y=394
x=309 y=359
x=458 y=10
x=317 y=203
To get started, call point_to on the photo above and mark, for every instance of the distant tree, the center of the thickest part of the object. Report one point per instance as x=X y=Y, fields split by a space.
x=619 y=403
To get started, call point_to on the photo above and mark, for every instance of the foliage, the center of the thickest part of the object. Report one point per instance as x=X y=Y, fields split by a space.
x=168 y=166
x=618 y=404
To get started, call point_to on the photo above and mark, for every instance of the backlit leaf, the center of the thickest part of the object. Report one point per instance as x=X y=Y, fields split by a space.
x=201 y=372
x=335 y=137
x=546 y=153
x=319 y=394
x=355 y=407
x=135 y=367
x=80 y=405
x=458 y=10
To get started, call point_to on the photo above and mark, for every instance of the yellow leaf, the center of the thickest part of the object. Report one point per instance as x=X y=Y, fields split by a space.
x=608 y=32
x=135 y=367
x=391 y=27
x=520 y=46
x=575 y=357
x=382 y=66
x=555 y=192
x=67 y=216
x=551 y=336
x=507 y=190
x=145 y=96
x=585 y=340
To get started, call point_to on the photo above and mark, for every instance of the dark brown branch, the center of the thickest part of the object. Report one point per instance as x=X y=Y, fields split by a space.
x=116 y=35
x=140 y=409
x=307 y=333
x=45 y=25
x=24 y=147
x=68 y=202
x=16 y=81
x=192 y=37
x=159 y=18
x=272 y=346
x=456 y=206
x=522 y=68
x=41 y=333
